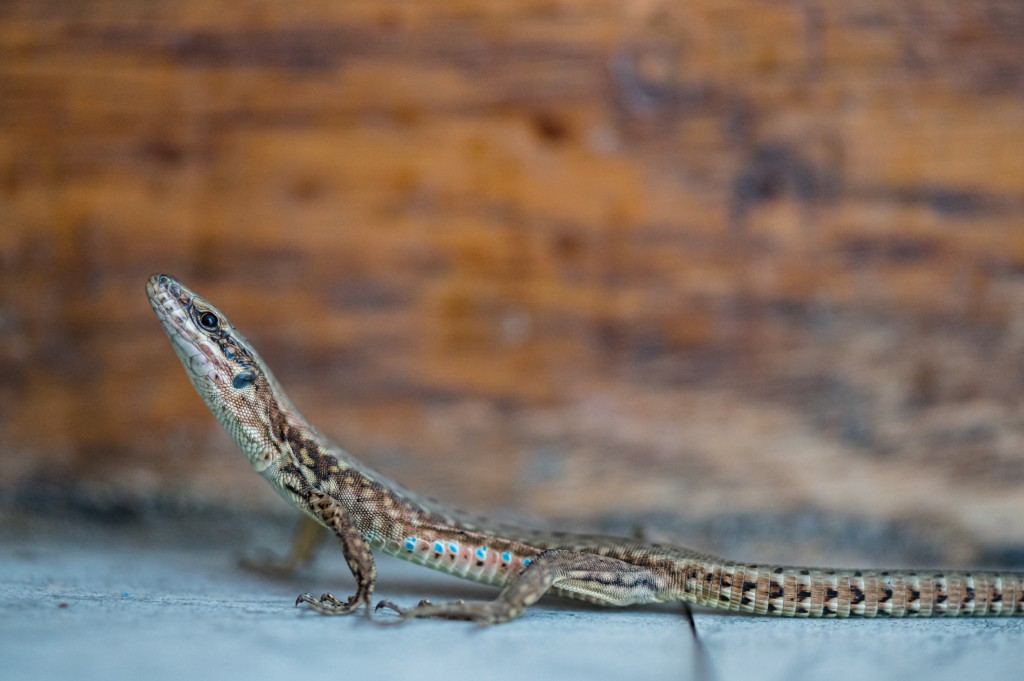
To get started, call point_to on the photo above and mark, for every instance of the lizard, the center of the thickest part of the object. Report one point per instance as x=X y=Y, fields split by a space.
x=368 y=513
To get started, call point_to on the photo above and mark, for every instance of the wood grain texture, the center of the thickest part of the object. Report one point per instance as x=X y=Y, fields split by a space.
x=569 y=257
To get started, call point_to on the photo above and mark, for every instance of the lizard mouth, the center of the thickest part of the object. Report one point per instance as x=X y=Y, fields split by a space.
x=172 y=303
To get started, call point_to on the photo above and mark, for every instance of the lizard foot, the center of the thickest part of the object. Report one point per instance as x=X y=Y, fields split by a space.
x=329 y=605
x=405 y=613
x=268 y=566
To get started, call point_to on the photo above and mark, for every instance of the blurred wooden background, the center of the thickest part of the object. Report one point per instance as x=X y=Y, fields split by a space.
x=745 y=264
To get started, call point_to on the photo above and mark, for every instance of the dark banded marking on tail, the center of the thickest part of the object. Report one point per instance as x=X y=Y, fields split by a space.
x=815 y=592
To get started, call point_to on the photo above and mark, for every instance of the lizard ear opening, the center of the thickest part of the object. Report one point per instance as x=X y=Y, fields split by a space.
x=243 y=379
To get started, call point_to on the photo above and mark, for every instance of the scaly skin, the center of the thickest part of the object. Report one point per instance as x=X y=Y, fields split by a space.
x=367 y=512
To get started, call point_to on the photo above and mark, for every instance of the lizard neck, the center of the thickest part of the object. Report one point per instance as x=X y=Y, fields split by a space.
x=299 y=458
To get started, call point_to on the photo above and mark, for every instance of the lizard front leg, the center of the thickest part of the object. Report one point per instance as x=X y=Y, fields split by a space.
x=591 y=577
x=357 y=555
x=308 y=537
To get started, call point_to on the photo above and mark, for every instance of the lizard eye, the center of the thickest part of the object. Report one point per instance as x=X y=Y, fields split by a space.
x=209 y=321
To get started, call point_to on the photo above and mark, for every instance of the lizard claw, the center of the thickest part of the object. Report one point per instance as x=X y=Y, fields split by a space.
x=388 y=605
x=304 y=598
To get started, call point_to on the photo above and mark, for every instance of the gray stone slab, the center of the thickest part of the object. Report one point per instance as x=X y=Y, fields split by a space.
x=86 y=602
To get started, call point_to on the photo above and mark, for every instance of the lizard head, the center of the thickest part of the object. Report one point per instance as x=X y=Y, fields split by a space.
x=223 y=367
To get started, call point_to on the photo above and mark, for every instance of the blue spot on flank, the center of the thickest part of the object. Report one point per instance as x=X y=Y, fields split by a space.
x=527 y=561
x=410 y=543
x=481 y=552
x=506 y=557
x=438 y=547
x=453 y=547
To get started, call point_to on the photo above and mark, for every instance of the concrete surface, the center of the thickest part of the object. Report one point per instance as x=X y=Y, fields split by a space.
x=166 y=602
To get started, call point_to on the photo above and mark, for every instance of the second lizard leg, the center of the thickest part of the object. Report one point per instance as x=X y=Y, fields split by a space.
x=357 y=555
x=308 y=538
x=599 y=579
